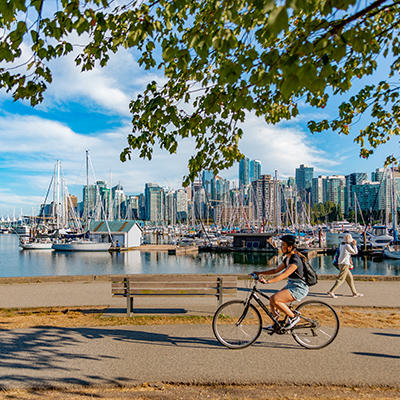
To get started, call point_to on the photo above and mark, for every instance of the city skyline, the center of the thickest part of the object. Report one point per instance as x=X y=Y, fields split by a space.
x=367 y=177
x=91 y=111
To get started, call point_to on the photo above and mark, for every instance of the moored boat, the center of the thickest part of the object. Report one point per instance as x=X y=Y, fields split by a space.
x=81 y=245
x=37 y=245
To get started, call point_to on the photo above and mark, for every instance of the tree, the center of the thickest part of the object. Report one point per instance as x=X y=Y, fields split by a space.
x=222 y=59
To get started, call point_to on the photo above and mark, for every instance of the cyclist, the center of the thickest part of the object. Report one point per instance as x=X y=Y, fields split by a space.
x=296 y=288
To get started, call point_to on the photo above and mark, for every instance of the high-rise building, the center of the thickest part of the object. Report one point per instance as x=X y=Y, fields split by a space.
x=255 y=170
x=249 y=171
x=356 y=178
x=89 y=201
x=219 y=199
x=244 y=172
x=170 y=207
x=153 y=202
x=181 y=205
x=264 y=200
x=304 y=176
x=207 y=177
x=317 y=190
x=334 y=189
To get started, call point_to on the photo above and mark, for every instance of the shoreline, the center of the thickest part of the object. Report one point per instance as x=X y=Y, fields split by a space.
x=110 y=277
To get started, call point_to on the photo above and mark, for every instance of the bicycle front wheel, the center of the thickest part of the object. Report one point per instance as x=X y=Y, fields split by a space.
x=237 y=325
x=318 y=326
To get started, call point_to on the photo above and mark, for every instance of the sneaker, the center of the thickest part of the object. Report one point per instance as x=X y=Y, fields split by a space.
x=333 y=295
x=358 y=295
x=291 y=322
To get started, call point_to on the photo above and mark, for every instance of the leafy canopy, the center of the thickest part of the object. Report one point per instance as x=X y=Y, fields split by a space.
x=222 y=59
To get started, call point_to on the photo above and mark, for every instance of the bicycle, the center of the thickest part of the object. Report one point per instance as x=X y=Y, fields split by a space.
x=238 y=323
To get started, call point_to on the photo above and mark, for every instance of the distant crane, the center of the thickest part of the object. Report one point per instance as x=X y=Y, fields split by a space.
x=168 y=184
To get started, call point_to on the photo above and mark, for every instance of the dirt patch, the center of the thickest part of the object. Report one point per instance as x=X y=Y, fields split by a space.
x=159 y=391
x=354 y=317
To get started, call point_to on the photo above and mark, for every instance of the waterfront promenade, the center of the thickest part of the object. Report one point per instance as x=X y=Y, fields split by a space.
x=133 y=355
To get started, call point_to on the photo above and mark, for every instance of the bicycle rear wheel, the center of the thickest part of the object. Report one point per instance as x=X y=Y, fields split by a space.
x=234 y=326
x=318 y=326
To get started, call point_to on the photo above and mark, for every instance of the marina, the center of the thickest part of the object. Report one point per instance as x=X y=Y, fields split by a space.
x=15 y=262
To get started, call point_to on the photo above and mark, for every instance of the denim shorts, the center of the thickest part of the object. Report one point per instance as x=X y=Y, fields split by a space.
x=297 y=288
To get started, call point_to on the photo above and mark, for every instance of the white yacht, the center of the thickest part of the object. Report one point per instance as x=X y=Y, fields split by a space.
x=378 y=236
x=81 y=245
x=41 y=244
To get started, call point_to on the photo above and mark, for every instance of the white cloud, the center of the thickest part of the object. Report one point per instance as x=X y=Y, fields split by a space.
x=278 y=148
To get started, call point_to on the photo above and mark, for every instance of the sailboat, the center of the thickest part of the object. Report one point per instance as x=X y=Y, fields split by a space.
x=83 y=242
x=393 y=249
x=39 y=240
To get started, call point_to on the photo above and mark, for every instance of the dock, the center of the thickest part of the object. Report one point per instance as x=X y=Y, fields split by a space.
x=171 y=249
x=180 y=250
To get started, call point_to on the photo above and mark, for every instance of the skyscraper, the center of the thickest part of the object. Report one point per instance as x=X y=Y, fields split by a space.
x=206 y=178
x=249 y=171
x=153 y=202
x=304 y=176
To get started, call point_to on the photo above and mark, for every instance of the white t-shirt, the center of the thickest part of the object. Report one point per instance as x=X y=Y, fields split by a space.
x=346 y=251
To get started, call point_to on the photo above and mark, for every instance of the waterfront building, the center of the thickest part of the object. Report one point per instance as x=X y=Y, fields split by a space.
x=133 y=207
x=356 y=178
x=170 y=206
x=317 y=190
x=200 y=204
x=119 y=207
x=128 y=233
x=367 y=193
x=334 y=189
x=89 y=201
x=264 y=201
x=255 y=170
x=206 y=178
x=153 y=203
x=304 y=176
x=181 y=206
x=249 y=171
x=219 y=199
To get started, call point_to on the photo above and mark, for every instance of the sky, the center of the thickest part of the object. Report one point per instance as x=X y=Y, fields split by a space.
x=90 y=111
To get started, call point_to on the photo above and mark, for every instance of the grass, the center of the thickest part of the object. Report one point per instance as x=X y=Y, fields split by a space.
x=160 y=391
x=354 y=317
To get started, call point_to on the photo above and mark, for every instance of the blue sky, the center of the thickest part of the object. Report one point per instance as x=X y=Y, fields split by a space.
x=90 y=111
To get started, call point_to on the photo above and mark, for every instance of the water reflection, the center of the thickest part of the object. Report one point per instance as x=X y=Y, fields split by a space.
x=16 y=262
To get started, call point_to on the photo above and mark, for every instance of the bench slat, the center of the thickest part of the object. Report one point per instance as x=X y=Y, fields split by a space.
x=173 y=278
x=167 y=292
x=162 y=285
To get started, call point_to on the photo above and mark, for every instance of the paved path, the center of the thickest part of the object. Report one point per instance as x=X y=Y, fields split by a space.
x=132 y=355
x=129 y=355
x=86 y=293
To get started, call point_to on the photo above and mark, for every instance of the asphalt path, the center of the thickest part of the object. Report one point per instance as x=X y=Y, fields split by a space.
x=132 y=355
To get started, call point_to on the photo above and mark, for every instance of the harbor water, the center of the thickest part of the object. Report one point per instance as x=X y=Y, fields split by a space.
x=15 y=262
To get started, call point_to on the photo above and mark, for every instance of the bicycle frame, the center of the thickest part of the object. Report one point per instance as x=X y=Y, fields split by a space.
x=277 y=325
x=254 y=295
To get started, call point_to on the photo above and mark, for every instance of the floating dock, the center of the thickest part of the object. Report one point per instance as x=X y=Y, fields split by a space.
x=171 y=249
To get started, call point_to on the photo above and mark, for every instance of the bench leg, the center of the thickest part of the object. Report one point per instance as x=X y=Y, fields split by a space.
x=129 y=306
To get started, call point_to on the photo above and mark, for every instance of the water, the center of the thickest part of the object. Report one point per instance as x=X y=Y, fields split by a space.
x=16 y=262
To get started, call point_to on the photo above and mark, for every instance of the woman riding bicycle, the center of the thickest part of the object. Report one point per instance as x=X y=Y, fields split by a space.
x=296 y=288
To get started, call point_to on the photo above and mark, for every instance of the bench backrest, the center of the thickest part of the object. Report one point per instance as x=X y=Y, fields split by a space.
x=175 y=285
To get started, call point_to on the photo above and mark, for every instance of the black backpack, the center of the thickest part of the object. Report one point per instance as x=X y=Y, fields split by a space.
x=310 y=276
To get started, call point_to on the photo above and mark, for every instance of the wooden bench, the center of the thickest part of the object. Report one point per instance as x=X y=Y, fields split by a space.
x=181 y=285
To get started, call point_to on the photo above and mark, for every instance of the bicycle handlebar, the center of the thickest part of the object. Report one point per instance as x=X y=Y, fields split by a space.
x=255 y=276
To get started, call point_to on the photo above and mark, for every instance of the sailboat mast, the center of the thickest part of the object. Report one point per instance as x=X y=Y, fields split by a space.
x=58 y=195
x=87 y=189
x=394 y=205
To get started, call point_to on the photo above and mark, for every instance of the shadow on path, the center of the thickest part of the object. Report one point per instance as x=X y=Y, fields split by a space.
x=43 y=354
